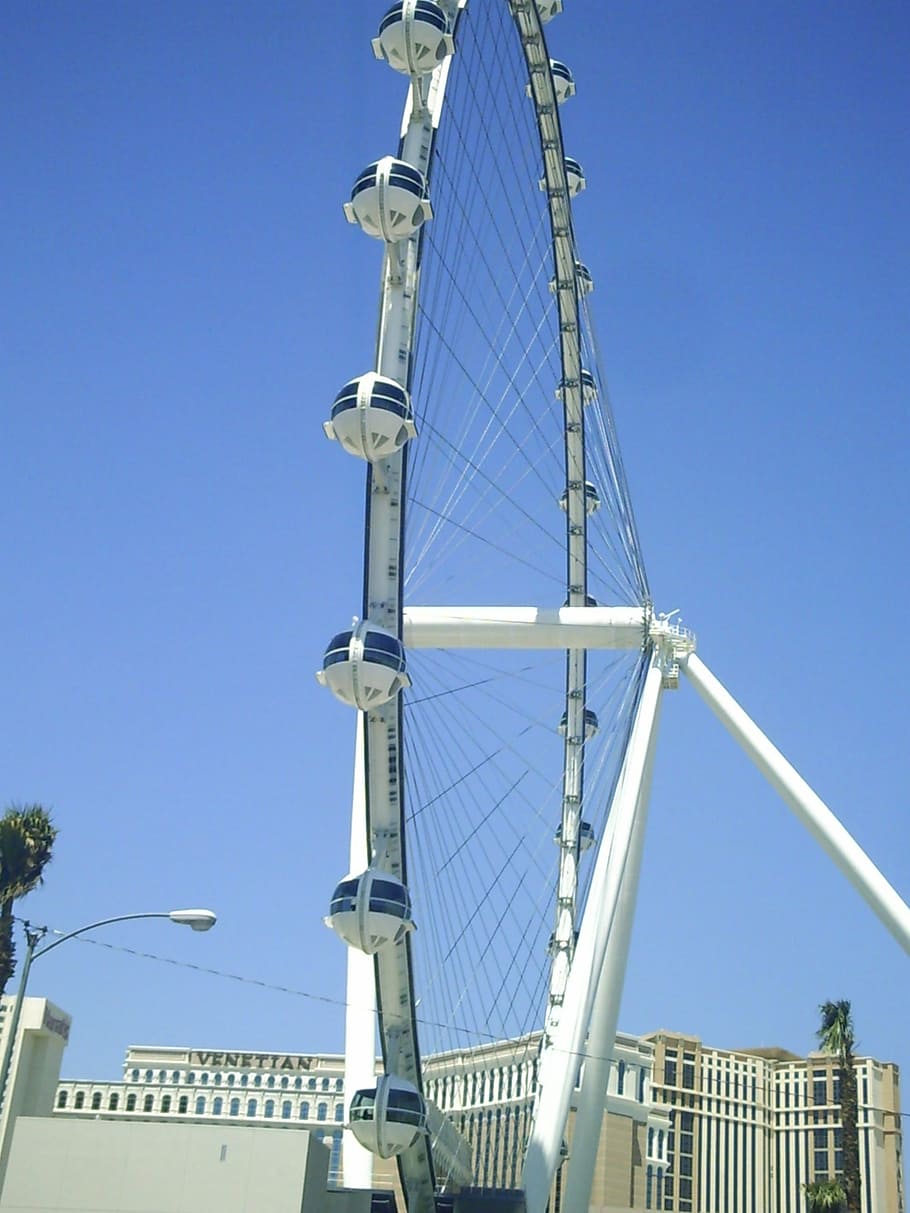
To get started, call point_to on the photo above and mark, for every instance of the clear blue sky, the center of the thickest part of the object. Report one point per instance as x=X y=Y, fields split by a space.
x=182 y=300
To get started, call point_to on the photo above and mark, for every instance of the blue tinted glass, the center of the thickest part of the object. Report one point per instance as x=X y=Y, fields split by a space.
x=390 y=406
x=391 y=390
x=387 y=644
x=406 y=183
x=392 y=15
x=431 y=13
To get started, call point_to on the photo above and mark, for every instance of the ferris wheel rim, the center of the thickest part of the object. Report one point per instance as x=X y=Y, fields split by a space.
x=384 y=591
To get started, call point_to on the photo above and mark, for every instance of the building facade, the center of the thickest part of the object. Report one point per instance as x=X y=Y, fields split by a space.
x=750 y=1128
x=34 y=1064
x=687 y=1128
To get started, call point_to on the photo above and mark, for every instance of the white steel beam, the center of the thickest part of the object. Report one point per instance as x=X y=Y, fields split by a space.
x=815 y=815
x=605 y=1012
x=525 y=627
x=561 y=1057
x=360 y=1011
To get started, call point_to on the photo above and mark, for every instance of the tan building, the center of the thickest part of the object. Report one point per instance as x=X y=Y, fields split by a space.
x=750 y=1128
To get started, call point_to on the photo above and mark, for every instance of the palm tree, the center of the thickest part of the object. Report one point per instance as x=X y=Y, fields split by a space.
x=826 y=1196
x=26 y=841
x=836 y=1036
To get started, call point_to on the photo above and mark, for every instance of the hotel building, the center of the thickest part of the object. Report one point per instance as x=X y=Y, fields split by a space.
x=687 y=1128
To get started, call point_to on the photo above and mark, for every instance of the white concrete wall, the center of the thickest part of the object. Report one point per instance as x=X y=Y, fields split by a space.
x=34 y=1065
x=98 y=1166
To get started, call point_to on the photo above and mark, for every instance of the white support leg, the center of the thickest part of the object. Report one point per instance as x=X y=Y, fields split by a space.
x=360 y=1011
x=809 y=808
x=605 y=1012
x=560 y=1059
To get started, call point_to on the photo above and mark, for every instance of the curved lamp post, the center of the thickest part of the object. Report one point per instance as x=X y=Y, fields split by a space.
x=197 y=920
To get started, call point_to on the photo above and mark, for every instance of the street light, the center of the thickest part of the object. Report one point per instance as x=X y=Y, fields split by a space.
x=197 y=920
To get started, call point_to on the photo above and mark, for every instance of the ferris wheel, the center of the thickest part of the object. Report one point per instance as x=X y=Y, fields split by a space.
x=506 y=664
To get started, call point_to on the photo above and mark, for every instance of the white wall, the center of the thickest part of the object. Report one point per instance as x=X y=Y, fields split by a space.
x=99 y=1166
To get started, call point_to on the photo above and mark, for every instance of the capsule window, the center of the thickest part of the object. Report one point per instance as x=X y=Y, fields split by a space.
x=384 y=650
x=389 y=898
x=406 y=1107
x=428 y=14
x=363 y=1105
x=404 y=174
x=338 y=649
x=344 y=898
x=366 y=180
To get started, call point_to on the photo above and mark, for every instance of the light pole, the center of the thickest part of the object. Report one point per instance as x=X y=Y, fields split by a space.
x=197 y=920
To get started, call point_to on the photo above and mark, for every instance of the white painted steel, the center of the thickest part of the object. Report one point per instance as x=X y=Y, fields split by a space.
x=525 y=627
x=561 y=1056
x=360 y=1010
x=605 y=1012
x=383 y=583
x=815 y=815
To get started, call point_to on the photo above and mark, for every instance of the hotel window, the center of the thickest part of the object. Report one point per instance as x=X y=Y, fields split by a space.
x=819 y=1087
x=183 y=1103
x=113 y=1102
x=269 y=1110
x=312 y=1084
x=79 y=1100
x=257 y=1080
x=284 y=1082
x=162 y=1075
x=165 y=1103
x=131 y=1102
x=175 y=1077
x=244 y=1079
x=231 y=1079
x=148 y=1103
x=270 y=1081
x=191 y=1077
x=149 y=1076
x=298 y=1083
x=204 y=1079
x=234 y=1107
x=61 y=1099
x=305 y=1110
x=688 y=1070
x=251 y=1107
x=339 y=1112
x=217 y=1105
x=200 y=1105
x=339 y=1084
x=325 y=1084
x=135 y=1076
x=322 y=1111
x=670 y=1068
x=217 y=1080
x=286 y=1110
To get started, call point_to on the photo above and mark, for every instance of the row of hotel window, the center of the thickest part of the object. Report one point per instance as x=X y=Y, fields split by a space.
x=240 y=1080
x=182 y=1106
